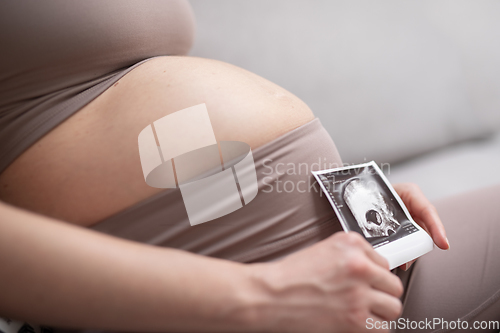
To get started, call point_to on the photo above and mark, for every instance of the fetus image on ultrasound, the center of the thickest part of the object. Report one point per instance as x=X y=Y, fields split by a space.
x=370 y=208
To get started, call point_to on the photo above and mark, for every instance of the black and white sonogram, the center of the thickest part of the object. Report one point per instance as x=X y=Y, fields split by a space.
x=364 y=203
x=370 y=208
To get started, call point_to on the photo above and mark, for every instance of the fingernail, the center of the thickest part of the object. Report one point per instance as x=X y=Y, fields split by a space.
x=407 y=266
x=448 y=242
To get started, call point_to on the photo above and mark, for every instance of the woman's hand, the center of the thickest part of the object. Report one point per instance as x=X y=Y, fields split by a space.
x=424 y=213
x=337 y=285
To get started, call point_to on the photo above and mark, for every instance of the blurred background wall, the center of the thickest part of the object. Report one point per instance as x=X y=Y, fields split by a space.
x=412 y=83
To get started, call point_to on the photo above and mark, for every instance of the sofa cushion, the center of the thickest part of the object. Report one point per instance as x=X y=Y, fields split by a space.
x=460 y=168
x=389 y=79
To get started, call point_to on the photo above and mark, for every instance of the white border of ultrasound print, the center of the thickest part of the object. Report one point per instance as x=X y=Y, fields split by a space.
x=397 y=252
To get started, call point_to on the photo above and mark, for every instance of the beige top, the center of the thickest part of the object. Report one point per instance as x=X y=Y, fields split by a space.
x=57 y=56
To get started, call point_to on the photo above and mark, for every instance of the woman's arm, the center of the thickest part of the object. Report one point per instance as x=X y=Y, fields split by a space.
x=59 y=274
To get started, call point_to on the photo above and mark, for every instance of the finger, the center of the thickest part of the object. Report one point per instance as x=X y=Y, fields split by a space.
x=421 y=208
x=384 y=306
x=420 y=223
x=377 y=258
x=384 y=281
x=430 y=218
x=360 y=242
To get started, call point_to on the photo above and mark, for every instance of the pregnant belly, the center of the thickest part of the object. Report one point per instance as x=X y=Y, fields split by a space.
x=88 y=168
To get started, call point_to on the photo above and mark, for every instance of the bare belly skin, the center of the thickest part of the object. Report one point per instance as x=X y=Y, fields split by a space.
x=88 y=168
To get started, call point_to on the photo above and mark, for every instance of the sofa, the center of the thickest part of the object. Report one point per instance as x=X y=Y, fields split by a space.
x=411 y=84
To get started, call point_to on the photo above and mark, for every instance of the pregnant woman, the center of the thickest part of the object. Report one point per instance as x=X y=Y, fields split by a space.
x=85 y=243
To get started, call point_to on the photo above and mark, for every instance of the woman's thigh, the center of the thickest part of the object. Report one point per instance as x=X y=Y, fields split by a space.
x=88 y=168
x=462 y=283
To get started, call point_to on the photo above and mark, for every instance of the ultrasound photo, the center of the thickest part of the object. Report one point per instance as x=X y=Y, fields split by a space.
x=365 y=203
